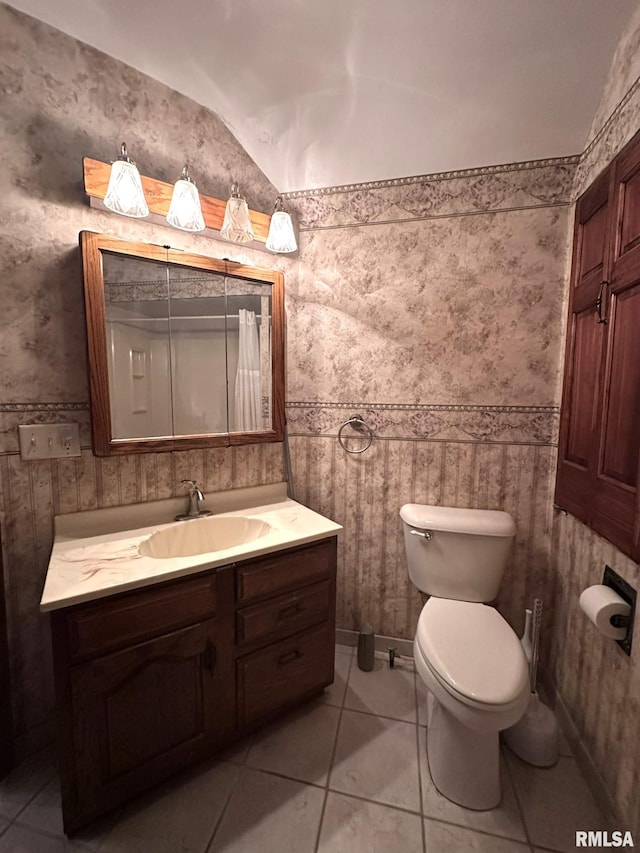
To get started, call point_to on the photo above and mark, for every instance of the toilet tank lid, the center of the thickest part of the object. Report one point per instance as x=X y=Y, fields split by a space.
x=479 y=522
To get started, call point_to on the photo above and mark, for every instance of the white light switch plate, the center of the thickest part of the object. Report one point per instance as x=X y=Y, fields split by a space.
x=49 y=441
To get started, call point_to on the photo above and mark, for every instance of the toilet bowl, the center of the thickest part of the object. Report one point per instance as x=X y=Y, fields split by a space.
x=465 y=652
x=473 y=664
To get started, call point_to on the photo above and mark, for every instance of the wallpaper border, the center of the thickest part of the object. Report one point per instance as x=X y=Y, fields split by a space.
x=478 y=171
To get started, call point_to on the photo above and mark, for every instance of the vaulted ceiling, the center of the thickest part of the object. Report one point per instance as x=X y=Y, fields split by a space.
x=343 y=91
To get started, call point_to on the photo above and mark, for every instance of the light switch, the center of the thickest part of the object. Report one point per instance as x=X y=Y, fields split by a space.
x=49 y=441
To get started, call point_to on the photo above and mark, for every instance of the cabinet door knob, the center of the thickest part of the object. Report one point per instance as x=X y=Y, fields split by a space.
x=601 y=319
x=210 y=656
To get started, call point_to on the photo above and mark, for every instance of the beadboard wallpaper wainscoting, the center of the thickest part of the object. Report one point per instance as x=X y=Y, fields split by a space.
x=598 y=684
x=469 y=456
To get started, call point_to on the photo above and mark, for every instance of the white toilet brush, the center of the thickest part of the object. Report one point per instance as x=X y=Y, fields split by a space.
x=535 y=737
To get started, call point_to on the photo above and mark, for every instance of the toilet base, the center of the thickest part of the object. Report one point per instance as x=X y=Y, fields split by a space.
x=464 y=762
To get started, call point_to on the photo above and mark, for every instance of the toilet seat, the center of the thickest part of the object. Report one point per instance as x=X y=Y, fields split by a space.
x=473 y=652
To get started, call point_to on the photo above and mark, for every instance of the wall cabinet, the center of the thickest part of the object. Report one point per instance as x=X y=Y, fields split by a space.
x=150 y=681
x=599 y=449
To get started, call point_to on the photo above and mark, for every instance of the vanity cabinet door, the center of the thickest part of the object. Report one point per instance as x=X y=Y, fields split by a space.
x=142 y=713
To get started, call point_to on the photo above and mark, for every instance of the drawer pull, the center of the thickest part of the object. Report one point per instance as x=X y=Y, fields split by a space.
x=289 y=657
x=288 y=612
x=209 y=657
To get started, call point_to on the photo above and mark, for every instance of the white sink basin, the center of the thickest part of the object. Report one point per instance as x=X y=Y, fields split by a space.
x=203 y=535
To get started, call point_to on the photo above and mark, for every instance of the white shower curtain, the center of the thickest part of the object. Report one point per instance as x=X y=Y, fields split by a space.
x=248 y=375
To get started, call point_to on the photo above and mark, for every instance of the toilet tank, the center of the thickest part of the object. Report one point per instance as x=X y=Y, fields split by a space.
x=466 y=554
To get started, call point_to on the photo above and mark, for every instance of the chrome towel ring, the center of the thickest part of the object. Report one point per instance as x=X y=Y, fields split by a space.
x=357 y=423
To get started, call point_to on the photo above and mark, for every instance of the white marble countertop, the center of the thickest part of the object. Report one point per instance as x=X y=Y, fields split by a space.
x=95 y=553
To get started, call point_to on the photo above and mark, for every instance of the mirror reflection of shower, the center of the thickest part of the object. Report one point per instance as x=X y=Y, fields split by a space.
x=189 y=350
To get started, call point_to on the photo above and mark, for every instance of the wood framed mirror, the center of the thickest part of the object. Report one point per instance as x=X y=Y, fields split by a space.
x=184 y=351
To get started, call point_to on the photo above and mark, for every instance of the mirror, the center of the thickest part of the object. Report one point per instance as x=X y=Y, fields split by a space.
x=184 y=351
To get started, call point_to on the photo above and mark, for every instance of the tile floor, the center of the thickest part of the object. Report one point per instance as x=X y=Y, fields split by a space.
x=345 y=773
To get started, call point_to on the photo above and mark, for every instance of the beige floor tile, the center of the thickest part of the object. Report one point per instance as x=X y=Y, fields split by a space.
x=181 y=816
x=555 y=802
x=25 y=781
x=44 y=814
x=334 y=694
x=22 y=839
x=384 y=691
x=504 y=820
x=377 y=758
x=445 y=838
x=268 y=814
x=299 y=745
x=356 y=826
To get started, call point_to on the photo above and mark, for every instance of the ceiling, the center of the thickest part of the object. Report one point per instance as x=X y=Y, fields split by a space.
x=343 y=91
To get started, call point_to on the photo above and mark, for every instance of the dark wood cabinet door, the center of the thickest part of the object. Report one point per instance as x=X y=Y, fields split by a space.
x=142 y=713
x=616 y=507
x=586 y=339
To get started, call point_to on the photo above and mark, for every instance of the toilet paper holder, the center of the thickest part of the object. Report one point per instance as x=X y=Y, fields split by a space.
x=628 y=593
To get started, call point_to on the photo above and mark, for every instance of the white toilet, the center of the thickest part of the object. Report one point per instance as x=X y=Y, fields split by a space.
x=467 y=655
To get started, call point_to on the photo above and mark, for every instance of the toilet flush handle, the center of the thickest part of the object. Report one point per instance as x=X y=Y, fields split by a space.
x=426 y=534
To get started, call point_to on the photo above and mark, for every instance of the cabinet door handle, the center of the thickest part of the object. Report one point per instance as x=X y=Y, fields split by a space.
x=210 y=657
x=289 y=657
x=289 y=611
x=601 y=319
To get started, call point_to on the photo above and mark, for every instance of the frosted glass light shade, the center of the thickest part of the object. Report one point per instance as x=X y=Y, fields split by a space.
x=185 y=211
x=236 y=225
x=281 y=237
x=124 y=192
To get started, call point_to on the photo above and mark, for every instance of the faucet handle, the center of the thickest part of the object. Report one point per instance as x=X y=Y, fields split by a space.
x=193 y=486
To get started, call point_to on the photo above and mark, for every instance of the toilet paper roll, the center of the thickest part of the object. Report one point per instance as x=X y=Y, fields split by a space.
x=600 y=603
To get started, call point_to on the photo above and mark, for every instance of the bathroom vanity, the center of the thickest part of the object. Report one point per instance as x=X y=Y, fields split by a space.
x=161 y=662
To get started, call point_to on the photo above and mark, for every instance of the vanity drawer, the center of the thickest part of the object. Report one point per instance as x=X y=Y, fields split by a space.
x=285 y=614
x=279 y=572
x=125 y=619
x=284 y=673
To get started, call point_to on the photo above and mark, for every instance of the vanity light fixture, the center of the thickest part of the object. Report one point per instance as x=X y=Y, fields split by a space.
x=185 y=210
x=124 y=192
x=281 y=237
x=237 y=222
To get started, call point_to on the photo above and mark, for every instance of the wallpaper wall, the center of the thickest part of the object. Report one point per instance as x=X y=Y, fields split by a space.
x=433 y=307
x=597 y=683
x=61 y=101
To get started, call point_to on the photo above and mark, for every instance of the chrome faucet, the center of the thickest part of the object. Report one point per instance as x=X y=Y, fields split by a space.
x=195 y=496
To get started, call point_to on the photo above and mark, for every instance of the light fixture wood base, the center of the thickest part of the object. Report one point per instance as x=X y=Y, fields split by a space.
x=158 y=196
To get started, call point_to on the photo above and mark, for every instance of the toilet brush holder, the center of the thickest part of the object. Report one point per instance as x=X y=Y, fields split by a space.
x=535 y=737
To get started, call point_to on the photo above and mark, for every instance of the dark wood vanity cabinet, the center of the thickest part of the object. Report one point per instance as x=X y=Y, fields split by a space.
x=150 y=681
x=599 y=449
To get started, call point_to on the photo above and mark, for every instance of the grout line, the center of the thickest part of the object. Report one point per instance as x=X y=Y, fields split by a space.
x=422 y=829
x=333 y=756
x=230 y=795
x=485 y=832
x=54 y=774
x=403 y=809
x=505 y=764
